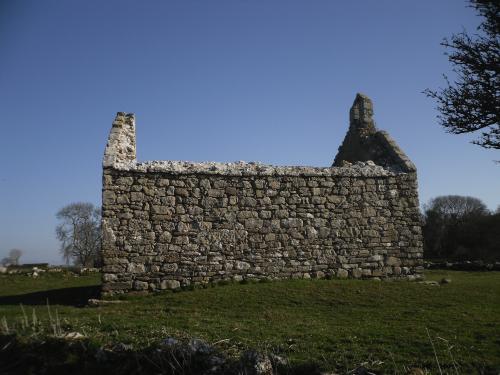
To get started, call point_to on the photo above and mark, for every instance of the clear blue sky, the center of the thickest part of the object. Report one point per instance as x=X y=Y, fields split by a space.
x=261 y=80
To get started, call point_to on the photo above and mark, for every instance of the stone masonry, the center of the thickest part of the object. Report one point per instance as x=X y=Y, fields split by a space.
x=168 y=224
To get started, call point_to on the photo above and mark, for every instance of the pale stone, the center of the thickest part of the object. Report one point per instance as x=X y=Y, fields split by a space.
x=357 y=273
x=241 y=265
x=392 y=261
x=375 y=258
x=319 y=274
x=169 y=284
x=109 y=277
x=140 y=285
x=342 y=273
x=136 y=268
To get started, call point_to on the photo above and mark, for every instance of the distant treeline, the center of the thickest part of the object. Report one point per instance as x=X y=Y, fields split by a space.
x=461 y=228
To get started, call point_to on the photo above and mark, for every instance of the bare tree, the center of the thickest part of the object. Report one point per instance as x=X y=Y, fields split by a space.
x=80 y=233
x=14 y=256
x=6 y=262
x=456 y=206
x=470 y=103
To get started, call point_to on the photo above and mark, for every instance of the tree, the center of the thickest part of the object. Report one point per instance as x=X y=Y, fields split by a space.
x=80 y=233
x=472 y=102
x=458 y=227
x=456 y=207
x=5 y=262
x=14 y=256
x=443 y=217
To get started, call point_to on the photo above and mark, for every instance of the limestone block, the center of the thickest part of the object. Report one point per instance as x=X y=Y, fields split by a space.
x=357 y=273
x=170 y=284
x=342 y=273
x=136 y=268
x=107 y=277
x=108 y=197
x=253 y=223
x=393 y=261
x=141 y=285
x=170 y=267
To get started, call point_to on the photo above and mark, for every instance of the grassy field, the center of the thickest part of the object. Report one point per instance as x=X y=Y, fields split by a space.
x=339 y=324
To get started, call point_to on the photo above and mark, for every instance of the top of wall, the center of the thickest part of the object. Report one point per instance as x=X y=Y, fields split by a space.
x=241 y=168
x=365 y=151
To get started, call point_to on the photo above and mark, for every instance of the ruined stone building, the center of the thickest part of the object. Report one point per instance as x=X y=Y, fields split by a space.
x=167 y=223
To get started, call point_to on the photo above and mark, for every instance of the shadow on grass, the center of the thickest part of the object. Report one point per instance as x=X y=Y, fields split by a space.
x=55 y=356
x=76 y=296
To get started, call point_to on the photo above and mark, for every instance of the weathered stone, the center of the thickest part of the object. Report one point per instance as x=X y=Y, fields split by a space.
x=165 y=237
x=197 y=346
x=241 y=265
x=170 y=267
x=342 y=273
x=357 y=273
x=319 y=274
x=137 y=196
x=108 y=197
x=254 y=363
x=375 y=258
x=377 y=272
x=107 y=277
x=392 y=261
x=364 y=143
x=169 y=284
x=253 y=223
x=140 y=285
x=366 y=272
x=135 y=268
x=166 y=221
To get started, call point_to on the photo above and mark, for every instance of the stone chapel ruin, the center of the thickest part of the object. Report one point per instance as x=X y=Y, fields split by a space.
x=169 y=223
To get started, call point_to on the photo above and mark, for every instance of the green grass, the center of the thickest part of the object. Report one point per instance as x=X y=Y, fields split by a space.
x=336 y=323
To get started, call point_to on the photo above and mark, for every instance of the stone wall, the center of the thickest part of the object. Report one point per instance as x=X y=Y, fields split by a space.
x=167 y=224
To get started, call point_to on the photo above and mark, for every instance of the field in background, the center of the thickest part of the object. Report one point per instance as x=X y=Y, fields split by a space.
x=339 y=324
